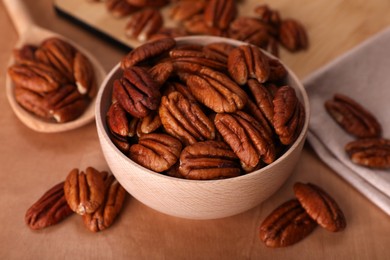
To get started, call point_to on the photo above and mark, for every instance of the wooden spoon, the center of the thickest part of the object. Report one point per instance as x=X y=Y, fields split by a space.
x=29 y=33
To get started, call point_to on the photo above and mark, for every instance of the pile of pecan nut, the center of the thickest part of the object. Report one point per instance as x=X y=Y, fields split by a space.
x=265 y=29
x=54 y=80
x=297 y=218
x=203 y=112
x=97 y=196
x=369 y=149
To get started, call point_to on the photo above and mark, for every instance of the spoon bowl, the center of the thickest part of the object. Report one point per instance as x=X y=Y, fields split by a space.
x=29 y=33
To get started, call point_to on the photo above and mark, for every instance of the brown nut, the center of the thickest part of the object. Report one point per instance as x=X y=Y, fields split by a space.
x=286 y=225
x=155 y=151
x=66 y=104
x=117 y=121
x=247 y=138
x=168 y=32
x=207 y=59
x=147 y=51
x=292 y=35
x=219 y=49
x=215 y=90
x=84 y=75
x=60 y=55
x=36 y=77
x=219 y=13
x=370 y=152
x=250 y=30
x=32 y=102
x=320 y=206
x=353 y=117
x=186 y=9
x=105 y=215
x=148 y=3
x=137 y=92
x=268 y=15
x=208 y=160
x=184 y=119
x=248 y=61
x=197 y=25
x=120 y=8
x=263 y=98
x=145 y=125
x=143 y=24
x=84 y=192
x=50 y=209
x=289 y=115
x=161 y=72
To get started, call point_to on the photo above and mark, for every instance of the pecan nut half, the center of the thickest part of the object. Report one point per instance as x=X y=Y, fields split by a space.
x=117 y=121
x=50 y=209
x=250 y=140
x=66 y=103
x=84 y=192
x=248 y=61
x=105 y=215
x=292 y=35
x=370 y=152
x=353 y=117
x=145 y=125
x=184 y=119
x=184 y=10
x=263 y=98
x=219 y=13
x=147 y=51
x=289 y=115
x=120 y=8
x=36 y=77
x=320 y=206
x=148 y=3
x=60 y=55
x=155 y=151
x=84 y=75
x=208 y=160
x=143 y=24
x=137 y=92
x=286 y=225
x=32 y=102
x=213 y=89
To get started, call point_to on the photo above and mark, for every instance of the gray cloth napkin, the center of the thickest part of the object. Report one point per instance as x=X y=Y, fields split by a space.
x=364 y=75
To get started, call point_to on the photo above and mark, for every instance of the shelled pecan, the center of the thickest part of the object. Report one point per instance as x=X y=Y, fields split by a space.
x=144 y=24
x=184 y=119
x=53 y=70
x=120 y=8
x=292 y=35
x=105 y=215
x=208 y=160
x=320 y=206
x=286 y=225
x=48 y=210
x=219 y=13
x=157 y=152
x=247 y=138
x=370 y=152
x=84 y=191
x=186 y=9
x=353 y=117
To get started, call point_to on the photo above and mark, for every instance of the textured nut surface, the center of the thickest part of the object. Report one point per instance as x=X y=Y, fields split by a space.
x=84 y=75
x=289 y=115
x=198 y=25
x=146 y=51
x=137 y=92
x=32 y=102
x=184 y=119
x=148 y=3
x=219 y=13
x=286 y=225
x=84 y=191
x=250 y=30
x=186 y=9
x=215 y=90
x=105 y=215
x=247 y=138
x=36 y=77
x=353 y=117
x=370 y=152
x=292 y=35
x=117 y=121
x=246 y=62
x=263 y=98
x=208 y=160
x=48 y=210
x=320 y=206
x=120 y=8
x=143 y=24
x=155 y=151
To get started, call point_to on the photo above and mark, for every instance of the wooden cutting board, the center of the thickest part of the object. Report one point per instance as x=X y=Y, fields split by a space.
x=95 y=18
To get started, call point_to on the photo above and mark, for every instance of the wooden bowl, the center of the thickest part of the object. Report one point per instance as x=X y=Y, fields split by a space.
x=195 y=199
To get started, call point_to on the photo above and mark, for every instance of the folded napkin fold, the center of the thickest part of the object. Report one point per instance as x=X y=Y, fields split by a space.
x=364 y=75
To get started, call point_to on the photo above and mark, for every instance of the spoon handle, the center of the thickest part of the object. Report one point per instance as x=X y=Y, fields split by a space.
x=19 y=14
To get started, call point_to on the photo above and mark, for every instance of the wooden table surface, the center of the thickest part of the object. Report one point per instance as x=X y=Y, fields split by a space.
x=31 y=162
